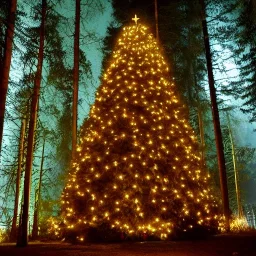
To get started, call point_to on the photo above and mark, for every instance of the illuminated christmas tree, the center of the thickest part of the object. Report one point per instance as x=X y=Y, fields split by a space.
x=137 y=168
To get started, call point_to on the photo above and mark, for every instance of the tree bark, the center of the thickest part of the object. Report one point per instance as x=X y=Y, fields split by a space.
x=6 y=65
x=238 y=194
x=75 y=77
x=156 y=19
x=23 y=241
x=38 y=198
x=216 y=121
x=200 y=120
x=13 y=233
x=253 y=218
x=201 y=131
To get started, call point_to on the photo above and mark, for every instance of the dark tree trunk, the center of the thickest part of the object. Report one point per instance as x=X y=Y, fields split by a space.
x=13 y=234
x=5 y=69
x=200 y=119
x=236 y=174
x=156 y=19
x=75 y=77
x=38 y=198
x=31 y=133
x=216 y=121
x=201 y=131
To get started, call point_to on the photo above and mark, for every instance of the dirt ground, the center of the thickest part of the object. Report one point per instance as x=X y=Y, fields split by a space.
x=221 y=245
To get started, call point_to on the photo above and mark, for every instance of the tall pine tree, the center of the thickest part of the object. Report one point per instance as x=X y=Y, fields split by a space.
x=137 y=169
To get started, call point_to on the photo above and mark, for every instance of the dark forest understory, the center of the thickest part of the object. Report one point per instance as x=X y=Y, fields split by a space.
x=222 y=245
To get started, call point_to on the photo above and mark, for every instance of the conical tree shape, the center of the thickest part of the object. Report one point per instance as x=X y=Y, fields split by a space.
x=137 y=169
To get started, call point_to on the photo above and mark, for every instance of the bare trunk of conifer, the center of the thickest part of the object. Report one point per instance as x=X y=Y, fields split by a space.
x=75 y=77
x=201 y=130
x=20 y=216
x=22 y=176
x=156 y=18
x=34 y=235
x=200 y=119
x=31 y=133
x=238 y=194
x=13 y=233
x=216 y=121
x=5 y=69
x=253 y=217
x=38 y=198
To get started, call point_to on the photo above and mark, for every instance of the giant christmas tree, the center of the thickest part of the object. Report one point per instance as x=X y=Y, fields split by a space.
x=137 y=168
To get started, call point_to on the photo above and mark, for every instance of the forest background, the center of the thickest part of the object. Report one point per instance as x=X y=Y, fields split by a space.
x=232 y=27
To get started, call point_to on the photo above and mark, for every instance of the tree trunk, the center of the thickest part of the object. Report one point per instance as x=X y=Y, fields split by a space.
x=13 y=234
x=216 y=121
x=34 y=234
x=238 y=194
x=200 y=119
x=6 y=65
x=201 y=130
x=31 y=133
x=253 y=218
x=38 y=198
x=156 y=19
x=75 y=77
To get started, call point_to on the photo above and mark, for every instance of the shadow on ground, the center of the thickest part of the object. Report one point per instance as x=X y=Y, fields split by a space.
x=243 y=244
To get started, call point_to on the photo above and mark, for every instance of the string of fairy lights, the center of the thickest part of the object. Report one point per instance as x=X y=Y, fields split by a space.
x=137 y=167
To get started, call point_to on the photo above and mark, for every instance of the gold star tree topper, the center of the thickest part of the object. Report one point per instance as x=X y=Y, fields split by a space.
x=135 y=19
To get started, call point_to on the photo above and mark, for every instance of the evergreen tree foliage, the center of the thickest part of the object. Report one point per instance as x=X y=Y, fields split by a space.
x=247 y=53
x=181 y=36
x=137 y=169
x=233 y=28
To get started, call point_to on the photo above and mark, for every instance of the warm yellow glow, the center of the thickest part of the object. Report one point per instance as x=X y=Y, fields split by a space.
x=138 y=167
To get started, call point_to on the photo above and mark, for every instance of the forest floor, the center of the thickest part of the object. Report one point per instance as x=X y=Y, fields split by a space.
x=243 y=244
